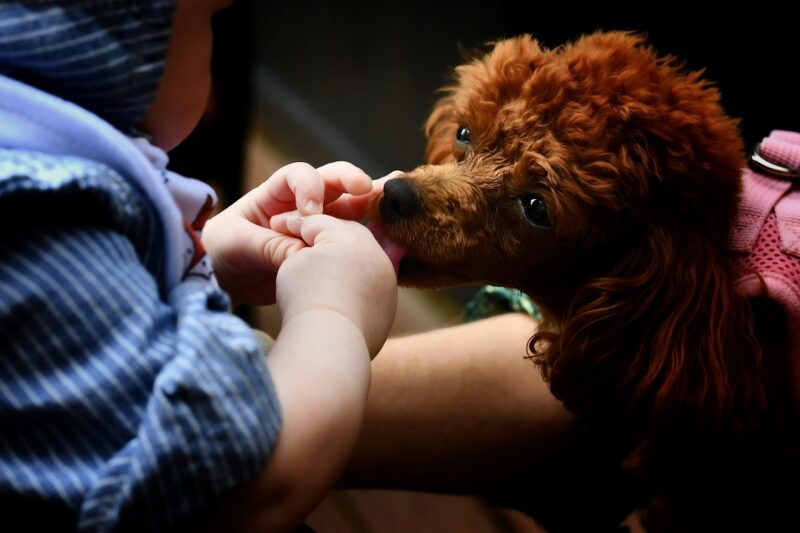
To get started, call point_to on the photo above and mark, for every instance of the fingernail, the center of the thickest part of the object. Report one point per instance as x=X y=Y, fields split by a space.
x=312 y=207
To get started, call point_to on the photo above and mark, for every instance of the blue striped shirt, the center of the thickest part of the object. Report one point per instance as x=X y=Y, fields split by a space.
x=130 y=396
x=120 y=408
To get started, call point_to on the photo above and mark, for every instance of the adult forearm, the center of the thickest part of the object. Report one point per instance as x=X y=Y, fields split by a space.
x=459 y=409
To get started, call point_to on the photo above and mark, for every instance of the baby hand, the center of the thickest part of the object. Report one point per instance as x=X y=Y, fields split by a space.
x=343 y=270
x=247 y=252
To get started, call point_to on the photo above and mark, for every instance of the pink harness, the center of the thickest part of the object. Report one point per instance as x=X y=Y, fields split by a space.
x=766 y=232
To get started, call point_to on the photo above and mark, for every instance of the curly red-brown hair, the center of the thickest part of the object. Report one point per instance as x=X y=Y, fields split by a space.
x=602 y=179
x=639 y=167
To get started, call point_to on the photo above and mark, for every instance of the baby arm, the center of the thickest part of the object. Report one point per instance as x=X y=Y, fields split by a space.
x=337 y=300
x=336 y=292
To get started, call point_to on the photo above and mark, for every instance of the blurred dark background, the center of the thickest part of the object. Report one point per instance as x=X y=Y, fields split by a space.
x=355 y=80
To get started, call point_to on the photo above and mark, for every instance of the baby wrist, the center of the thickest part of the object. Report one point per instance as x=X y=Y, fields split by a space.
x=324 y=319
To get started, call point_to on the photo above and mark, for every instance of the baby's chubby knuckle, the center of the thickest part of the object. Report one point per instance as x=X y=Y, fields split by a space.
x=301 y=176
x=289 y=173
x=277 y=250
x=298 y=167
x=344 y=166
x=345 y=230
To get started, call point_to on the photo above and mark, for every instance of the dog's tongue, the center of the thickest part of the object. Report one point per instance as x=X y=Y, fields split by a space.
x=394 y=250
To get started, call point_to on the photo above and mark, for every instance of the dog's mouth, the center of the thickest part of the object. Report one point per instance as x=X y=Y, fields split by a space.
x=413 y=270
x=410 y=268
x=394 y=250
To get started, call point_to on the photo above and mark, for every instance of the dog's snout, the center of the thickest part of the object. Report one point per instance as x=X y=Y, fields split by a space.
x=401 y=200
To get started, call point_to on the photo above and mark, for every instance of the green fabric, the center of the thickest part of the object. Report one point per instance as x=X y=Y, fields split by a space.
x=492 y=300
x=265 y=341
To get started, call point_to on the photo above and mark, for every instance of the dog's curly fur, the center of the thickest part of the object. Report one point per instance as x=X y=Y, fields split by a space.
x=639 y=169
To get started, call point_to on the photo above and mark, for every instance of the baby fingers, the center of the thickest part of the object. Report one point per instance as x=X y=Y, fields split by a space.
x=300 y=186
x=352 y=207
x=312 y=228
x=342 y=177
x=295 y=185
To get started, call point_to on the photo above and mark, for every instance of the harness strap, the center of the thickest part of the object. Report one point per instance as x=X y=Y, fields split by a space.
x=766 y=186
x=766 y=234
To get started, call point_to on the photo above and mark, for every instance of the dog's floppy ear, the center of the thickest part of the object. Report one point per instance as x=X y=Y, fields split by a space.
x=661 y=337
x=664 y=339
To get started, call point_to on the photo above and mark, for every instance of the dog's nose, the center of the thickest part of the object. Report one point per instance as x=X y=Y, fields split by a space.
x=400 y=200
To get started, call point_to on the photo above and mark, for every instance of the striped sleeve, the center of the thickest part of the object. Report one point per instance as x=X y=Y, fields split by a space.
x=126 y=409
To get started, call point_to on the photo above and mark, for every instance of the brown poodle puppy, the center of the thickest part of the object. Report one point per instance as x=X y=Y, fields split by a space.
x=603 y=180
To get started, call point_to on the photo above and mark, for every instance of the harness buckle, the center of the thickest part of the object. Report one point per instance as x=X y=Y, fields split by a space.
x=761 y=164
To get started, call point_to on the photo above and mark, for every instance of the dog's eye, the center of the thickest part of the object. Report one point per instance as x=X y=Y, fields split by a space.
x=535 y=210
x=463 y=136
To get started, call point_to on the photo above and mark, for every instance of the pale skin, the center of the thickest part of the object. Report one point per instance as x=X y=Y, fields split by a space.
x=458 y=409
x=336 y=290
